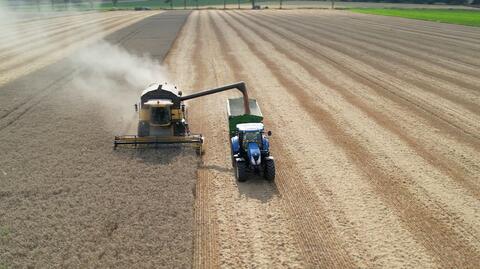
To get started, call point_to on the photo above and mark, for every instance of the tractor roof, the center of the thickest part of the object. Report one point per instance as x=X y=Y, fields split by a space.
x=159 y=102
x=246 y=127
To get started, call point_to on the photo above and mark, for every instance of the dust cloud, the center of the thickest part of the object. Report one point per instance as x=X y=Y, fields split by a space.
x=106 y=74
x=114 y=78
x=112 y=67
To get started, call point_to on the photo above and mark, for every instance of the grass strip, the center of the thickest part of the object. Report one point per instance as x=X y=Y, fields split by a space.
x=462 y=17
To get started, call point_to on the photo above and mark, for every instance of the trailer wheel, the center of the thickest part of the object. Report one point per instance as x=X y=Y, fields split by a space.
x=269 y=170
x=241 y=171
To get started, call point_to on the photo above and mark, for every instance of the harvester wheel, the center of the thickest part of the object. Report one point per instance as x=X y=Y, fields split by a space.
x=269 y=169
x=143 y=129
x=199 y=150
x=241 y=171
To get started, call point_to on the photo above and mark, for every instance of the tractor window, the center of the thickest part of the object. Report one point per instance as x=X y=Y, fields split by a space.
x=255 y=137
x=160 y=115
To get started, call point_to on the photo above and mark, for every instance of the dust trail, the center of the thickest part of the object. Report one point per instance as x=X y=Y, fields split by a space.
x=106 y=74
x=114 y=78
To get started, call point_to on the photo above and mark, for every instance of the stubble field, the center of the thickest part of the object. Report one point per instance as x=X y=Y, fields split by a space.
x=376 y=126
x=67 y=200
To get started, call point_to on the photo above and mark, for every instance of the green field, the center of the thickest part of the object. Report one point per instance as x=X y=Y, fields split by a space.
x=464 y=17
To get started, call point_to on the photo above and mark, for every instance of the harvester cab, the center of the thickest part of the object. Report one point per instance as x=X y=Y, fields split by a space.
x=161 y=113
x=162 y=116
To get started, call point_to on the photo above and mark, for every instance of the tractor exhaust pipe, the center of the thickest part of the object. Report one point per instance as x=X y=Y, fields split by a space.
x=239 y=86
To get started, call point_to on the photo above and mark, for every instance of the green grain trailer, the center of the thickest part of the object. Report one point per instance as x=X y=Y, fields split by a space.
x=237 y=115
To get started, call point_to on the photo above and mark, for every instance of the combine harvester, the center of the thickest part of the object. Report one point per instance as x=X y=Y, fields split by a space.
x=162 y=119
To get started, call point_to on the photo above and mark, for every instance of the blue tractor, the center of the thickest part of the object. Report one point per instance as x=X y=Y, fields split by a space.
x=249 y=143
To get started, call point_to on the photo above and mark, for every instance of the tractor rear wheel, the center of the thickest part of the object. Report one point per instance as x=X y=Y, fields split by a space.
x=241 y=171
x=233 y=160
x=269 y=169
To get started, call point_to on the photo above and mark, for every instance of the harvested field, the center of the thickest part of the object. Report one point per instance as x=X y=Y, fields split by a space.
x=376 y=135
x=67 y=200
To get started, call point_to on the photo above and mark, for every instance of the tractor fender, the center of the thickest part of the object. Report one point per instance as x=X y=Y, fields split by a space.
x=266 y=143
x=240 y=159
x=235 y=145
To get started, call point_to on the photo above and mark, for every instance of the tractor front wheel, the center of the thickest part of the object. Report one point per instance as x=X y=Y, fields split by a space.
x=241 y=171
x=269 y=169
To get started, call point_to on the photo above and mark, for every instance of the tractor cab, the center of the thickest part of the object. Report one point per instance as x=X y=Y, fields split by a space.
x=250 y=145
x=251 y=141
x=250 y=133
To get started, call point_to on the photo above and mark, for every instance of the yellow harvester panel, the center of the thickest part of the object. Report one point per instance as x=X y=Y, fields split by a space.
x=144 y=114
x=176 y=114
